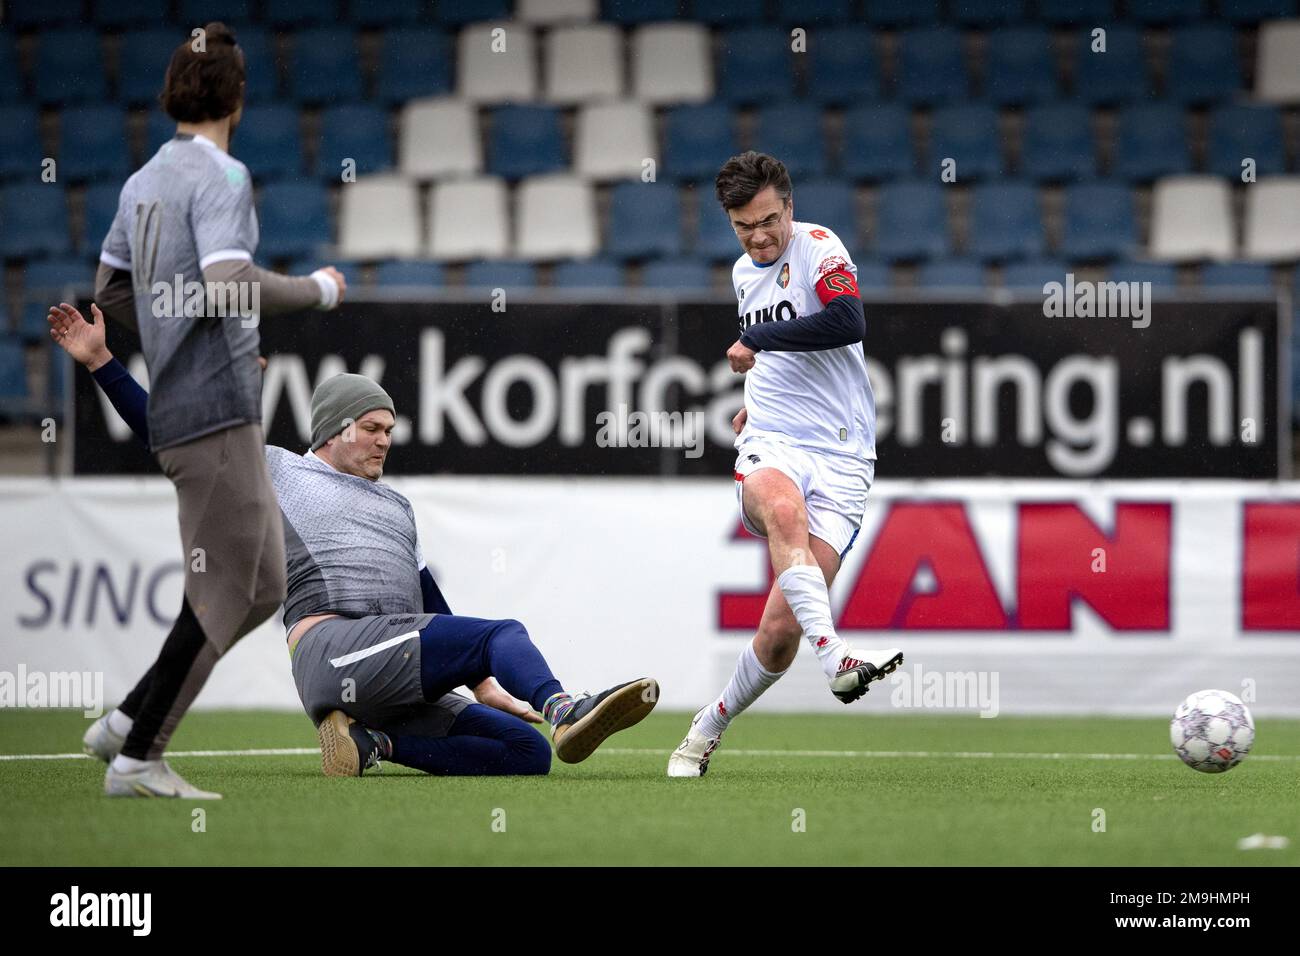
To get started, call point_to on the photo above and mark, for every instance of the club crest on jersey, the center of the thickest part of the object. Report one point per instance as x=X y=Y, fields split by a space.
x=832 y=264
x=783 y=279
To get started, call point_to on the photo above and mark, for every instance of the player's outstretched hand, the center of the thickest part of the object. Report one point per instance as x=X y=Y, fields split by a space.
x=738 y=423
x=741 y=357
x=331 y=298
x=83 y=340
x=491 y=694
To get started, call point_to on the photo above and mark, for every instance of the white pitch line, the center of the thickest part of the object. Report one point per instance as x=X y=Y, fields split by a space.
x=649 y=751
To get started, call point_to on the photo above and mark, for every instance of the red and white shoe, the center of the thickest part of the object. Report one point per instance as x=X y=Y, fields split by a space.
x=858 y=668
x=691 y=758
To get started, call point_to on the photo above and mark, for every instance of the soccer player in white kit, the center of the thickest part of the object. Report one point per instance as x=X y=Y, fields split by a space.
x=806 y=444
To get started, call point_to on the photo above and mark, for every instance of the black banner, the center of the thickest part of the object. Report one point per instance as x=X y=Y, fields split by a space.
x=962 y=389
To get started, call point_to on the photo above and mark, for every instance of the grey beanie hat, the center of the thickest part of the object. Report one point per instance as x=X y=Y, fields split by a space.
x=341 y=400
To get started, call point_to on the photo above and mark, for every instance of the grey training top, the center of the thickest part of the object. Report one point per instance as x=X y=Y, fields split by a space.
x=190 y=206
x=350 y=543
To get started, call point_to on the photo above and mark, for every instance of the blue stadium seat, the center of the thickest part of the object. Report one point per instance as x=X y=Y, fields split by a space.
x=987 y=13
x=587 y=274
x=526 y=140
x=142 y=63
x=384 y=13
x=697 y=139
x=229 y=12
x=1006 y=221
x=120 y=13
x=829 y=203
x=793 y=132
x=1161 y=275
x=13 y=373
x=1033 y=274
x=1020 y=66
x=1253 y=11
x=416 y=61
x=843 y=67
x=501 y=273
x=93 y=143
x=45 y=279
x=873 y=276
x=1057 y=143
x=911 y=221
x=160 y=128
x=1099 y=221
x=930 y=66
x=409 y=272
x=11 y=84
x=294 y=219
x=33 y=220
x=468 y=11
x=20 y=141
x=42 y=13
x=969 y=135
x=639 y=11
x=898 y=13
x=1151 y=142
x=1164 y=11
x=355 y=131
x=1118 y=75
x=1203 y=64
x=325 y=66
x=679 y=274
x=303 y=267
x=726 y=12
x=268 y=141
x=1237 y=275
x=1059 y=12
x=297 y=13
x=877 y=143
x=1244 y=130
x=69 y=67
x=950 y=274
x=262 y=67
x=33 y=327
x=815 y=12
x=99 y=209
x=714 y=237
x=645 y=221
x=755 y=65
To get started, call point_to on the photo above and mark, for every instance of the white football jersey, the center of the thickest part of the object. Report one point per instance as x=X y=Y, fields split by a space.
x=818 y=400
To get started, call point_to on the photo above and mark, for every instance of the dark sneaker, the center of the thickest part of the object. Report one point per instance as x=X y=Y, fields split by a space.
x=347 y=748
x=592 y=719
x=859 y=668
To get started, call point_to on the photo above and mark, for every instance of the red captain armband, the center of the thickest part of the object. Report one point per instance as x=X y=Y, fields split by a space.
x=834 y=278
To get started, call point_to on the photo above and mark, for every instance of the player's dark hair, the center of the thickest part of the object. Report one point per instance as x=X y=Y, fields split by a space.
x=204 y=84
x=745 y=176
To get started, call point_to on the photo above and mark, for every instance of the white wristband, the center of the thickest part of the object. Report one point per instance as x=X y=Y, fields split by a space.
x=329 y=290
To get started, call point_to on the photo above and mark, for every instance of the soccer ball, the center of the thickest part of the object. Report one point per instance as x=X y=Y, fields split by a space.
x=1212 y=731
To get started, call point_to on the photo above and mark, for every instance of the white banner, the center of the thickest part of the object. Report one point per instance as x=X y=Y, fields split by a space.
x=1006 y=597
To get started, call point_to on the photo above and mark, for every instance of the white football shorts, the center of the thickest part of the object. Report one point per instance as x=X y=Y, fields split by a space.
x=834 y=487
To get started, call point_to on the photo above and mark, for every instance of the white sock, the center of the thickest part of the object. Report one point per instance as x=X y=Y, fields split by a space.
x=123 y=764
x=120 y=723
x=804 y=588
x=746 y=685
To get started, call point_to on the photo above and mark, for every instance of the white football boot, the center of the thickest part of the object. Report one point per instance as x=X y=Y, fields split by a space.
x=691 y=758
x=858 y=668
x=101 y=742
x=155 y=780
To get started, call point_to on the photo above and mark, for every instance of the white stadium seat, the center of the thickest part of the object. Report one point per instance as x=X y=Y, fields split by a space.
x=439 y=137
x=379 y=218
x=1272 y=230
x=1191 y=218
x=1277 y=69
x=468 y=220
x=584 y=63
x=614 y=140
x=496 y=68
x=555 y=217
x=672 y=63
x=556 y=11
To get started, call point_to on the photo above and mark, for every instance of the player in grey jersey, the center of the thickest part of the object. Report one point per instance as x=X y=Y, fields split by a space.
x=177 y=265
x=376 y=652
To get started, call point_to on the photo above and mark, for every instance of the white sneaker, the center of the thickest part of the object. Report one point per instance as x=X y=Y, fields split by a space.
x=858 y=668
x=155 y=780
x=691 y=758
x=101 y=742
